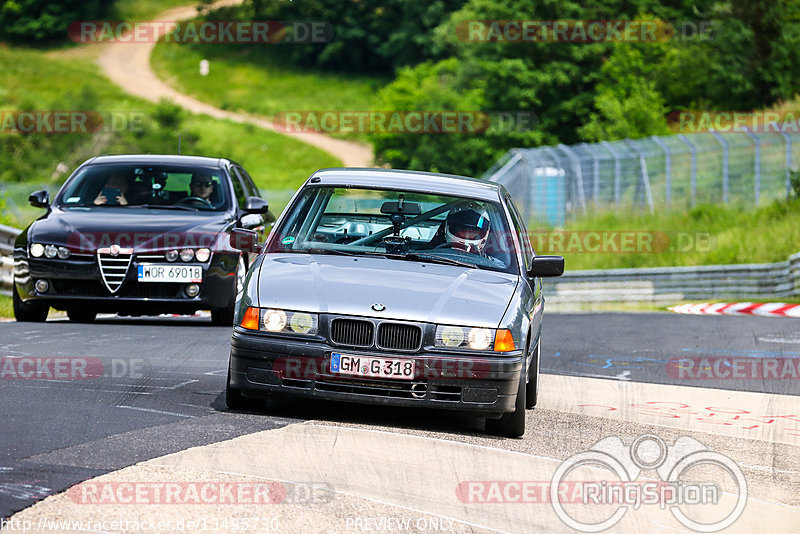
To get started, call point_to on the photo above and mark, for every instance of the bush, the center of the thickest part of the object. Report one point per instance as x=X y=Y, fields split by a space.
x=43 y=20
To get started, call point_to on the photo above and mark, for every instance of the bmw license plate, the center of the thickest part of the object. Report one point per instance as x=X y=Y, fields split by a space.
x=370 y=367
x=153 y=272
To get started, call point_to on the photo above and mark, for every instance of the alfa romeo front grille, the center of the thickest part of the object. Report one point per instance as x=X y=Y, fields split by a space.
x=352 y=332
x=399 y=336
x=114 y=267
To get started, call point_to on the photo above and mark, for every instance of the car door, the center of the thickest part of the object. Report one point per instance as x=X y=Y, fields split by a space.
x=534 y=306
x=244 y=188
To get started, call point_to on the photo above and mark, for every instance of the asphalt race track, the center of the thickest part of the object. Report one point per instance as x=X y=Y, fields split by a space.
x=154 y=397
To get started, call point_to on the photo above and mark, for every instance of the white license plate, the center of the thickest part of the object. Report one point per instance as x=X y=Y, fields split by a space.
x=154 y=272
x=370 y=367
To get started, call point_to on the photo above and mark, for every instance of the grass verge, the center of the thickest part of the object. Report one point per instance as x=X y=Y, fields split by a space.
x=704 y=235
x=75 y=83
x=253 y=79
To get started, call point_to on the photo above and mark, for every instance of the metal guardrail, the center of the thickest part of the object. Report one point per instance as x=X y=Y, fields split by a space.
x=7 y=237
x=663 y=284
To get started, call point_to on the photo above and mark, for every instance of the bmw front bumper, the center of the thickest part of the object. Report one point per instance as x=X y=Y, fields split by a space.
x=263 y=366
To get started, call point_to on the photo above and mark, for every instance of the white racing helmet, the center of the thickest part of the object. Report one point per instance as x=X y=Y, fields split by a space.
x=467 y=228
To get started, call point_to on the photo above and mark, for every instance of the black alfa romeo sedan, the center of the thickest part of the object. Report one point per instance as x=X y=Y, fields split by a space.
x=138 y=235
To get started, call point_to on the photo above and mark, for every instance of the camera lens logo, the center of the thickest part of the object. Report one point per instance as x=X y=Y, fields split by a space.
x=648 y=452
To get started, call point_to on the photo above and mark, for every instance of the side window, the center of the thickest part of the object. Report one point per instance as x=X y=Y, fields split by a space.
x=249 y=185
x=522 y=233
x=237 y=187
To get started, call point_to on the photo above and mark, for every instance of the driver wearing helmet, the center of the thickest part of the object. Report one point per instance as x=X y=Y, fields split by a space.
x=467 y=229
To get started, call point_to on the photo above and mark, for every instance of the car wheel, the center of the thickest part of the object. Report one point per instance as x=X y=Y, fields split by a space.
x=234 y=399
x=532 y=388
x=511 y=425
x=224 y=316
x=30 y=312
x=81 y=316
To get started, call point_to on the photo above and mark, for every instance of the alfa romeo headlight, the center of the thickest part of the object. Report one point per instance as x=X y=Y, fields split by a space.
x=37 y=250
x=202 y=255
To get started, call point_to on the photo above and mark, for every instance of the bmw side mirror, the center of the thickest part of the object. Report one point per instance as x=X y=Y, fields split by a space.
x=546 y=266
x=244 y=240
x=256 y=205
x=39 y=199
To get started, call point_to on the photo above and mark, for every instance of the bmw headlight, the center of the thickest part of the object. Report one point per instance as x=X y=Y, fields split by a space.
x=280 y=321
x=465 y=337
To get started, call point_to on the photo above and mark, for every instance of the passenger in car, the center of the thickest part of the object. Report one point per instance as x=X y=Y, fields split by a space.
x=117 y=185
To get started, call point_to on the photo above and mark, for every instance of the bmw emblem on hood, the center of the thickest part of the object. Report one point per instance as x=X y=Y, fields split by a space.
x=378 y=307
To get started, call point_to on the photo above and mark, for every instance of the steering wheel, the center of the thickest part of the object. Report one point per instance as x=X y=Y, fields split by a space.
x=194 y=200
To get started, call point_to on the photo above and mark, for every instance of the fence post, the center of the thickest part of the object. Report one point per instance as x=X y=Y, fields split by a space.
x=595 y=174
x=788 y=160
x=693 y=150
x=644 y=177
x=756 y=164
x=617 y=171
x=667 y=168
x=575 y=161
x=725 y=157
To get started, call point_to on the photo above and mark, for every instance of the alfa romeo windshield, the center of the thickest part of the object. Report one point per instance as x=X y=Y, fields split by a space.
x=176 y=187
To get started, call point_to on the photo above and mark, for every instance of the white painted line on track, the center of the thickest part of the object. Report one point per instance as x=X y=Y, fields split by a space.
x=151 y=410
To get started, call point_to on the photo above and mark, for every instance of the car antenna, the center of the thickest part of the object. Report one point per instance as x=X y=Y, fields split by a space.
x=179 y=144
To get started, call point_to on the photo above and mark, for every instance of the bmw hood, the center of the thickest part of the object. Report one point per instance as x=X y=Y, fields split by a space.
x=87 y=229
x=408 y=290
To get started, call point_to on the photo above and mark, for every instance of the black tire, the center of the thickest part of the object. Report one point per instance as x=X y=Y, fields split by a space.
x=28 y=312
x=81 y=316
x=234 y=399
x=511 y=425
x=224 y=316
x=532 y=388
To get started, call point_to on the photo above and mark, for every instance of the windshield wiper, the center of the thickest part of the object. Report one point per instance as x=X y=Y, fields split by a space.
x=317 y=250
x=431 y=258
x=163 y=206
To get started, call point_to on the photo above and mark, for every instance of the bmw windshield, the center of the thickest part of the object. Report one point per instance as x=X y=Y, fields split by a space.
x=398 y=224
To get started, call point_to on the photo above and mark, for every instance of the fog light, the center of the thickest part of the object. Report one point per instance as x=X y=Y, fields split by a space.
x=171 y=255
x=63 y=253
x=50 y=251
x=37 y=249
x=42 y=286
x=192 y=290
x=187 y=254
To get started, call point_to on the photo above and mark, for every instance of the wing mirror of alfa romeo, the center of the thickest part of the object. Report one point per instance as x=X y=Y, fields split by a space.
x=244 y=240
x=39 y=199
x=546 y=266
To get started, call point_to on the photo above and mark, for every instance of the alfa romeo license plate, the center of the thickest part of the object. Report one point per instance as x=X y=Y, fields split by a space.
x=153 y=272
x=370 y=367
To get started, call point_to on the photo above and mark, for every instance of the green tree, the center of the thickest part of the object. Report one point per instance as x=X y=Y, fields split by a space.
x=43 y=20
